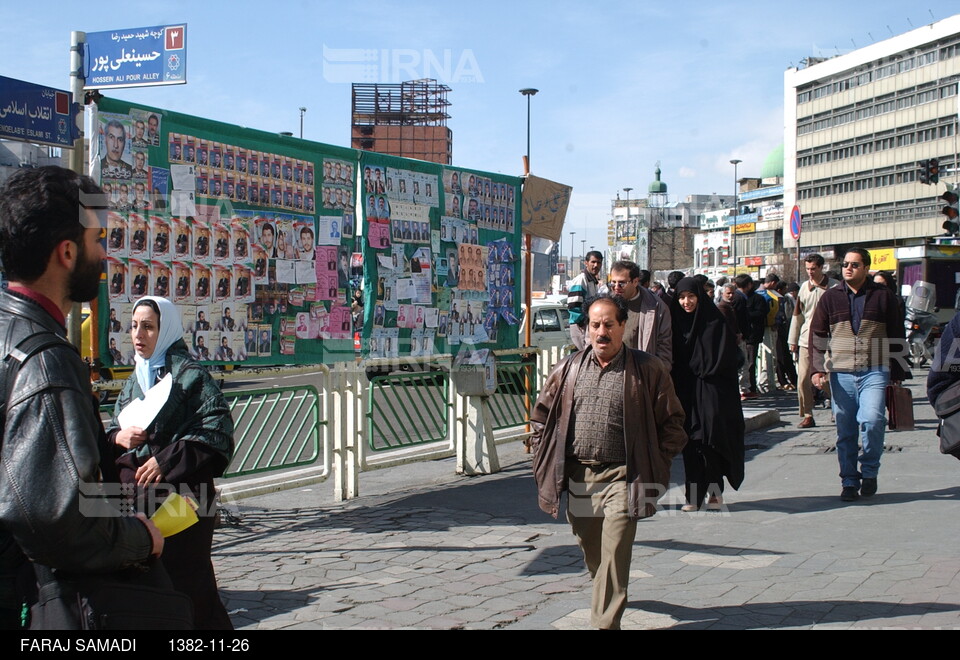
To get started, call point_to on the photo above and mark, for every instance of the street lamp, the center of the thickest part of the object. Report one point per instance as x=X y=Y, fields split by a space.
x=627 y=226
x=302 y=111
x=736 y=211
x=583 y=249
x=528 y=92
x=572 y=234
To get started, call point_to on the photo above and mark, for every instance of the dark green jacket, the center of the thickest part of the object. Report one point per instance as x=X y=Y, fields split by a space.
x=193 y=429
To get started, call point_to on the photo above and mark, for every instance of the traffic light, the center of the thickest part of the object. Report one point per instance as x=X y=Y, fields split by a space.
x=951 y=225
x=929 y=171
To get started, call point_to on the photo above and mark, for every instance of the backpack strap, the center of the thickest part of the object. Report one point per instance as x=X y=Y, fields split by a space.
x=18 y=355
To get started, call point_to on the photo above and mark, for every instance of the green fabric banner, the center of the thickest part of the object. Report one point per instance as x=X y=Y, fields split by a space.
x=257 y=238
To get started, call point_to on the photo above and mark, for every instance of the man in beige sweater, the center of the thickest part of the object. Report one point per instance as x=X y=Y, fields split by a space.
x=807 y=299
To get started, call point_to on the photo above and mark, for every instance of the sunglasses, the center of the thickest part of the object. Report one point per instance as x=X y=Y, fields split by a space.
x=618 y=285
x=852 y=264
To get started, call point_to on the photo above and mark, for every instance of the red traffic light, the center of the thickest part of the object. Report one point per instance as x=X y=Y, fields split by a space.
x=951 y=198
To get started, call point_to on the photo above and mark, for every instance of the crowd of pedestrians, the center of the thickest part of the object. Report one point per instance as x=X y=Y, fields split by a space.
x=831 y=337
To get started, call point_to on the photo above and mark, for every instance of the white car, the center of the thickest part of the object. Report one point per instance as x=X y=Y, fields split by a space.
x=551 y=323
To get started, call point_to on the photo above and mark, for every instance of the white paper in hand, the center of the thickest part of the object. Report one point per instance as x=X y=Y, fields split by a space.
x=141 y=412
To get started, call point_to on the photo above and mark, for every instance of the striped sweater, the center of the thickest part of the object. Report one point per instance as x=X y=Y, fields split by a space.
x=880 y=341
x=582 y=288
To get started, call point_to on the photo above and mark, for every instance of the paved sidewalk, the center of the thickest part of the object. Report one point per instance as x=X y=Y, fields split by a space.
x=423 y=548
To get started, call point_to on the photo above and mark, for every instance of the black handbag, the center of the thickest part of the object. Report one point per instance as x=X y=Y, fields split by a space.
x=947 y=408
x=138 y=598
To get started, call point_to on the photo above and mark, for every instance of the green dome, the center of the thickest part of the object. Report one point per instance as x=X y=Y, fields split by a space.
x=658 y=187
x=773 y=165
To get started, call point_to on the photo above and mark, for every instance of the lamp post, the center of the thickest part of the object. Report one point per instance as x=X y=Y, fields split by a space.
x=528 y=92
x=736 y=212
x=302 y=111
x=572 y=234
x=583 y=249
x=528 y=274
x=627 y=190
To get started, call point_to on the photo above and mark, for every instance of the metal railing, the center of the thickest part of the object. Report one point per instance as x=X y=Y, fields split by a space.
x=346 y=423
x=275 y=428
x=509 y=403
x=407 y=409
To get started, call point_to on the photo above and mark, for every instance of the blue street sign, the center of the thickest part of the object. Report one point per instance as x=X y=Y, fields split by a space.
x=795 y=223
x=136 y=57
x=34 y=113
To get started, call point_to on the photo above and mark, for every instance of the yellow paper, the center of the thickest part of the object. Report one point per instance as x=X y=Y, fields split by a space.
x=174 y=515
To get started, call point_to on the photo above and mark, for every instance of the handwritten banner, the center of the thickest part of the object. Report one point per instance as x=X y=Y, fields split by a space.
x=544 y=207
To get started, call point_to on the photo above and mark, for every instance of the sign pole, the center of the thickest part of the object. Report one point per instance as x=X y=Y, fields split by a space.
x=528 y=304
x=798 y=261
x=77 y=40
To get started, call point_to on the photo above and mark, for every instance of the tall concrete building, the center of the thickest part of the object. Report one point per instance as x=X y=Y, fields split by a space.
x=855 y=128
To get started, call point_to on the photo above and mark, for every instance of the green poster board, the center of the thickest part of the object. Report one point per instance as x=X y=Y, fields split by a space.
x=257 y=238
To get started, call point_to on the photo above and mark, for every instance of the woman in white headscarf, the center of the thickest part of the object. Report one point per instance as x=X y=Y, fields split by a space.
x=187 y=445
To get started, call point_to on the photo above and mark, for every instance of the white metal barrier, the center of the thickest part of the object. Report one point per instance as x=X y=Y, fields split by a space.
x=345 y=409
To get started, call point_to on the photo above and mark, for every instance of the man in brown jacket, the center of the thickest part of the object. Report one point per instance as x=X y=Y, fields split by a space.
x=607 y=425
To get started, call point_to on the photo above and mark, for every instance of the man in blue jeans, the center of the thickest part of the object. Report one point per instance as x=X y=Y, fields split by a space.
x=857 y=337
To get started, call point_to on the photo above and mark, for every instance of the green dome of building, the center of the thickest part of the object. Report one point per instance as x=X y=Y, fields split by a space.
x=658 y=187
x=773 y=165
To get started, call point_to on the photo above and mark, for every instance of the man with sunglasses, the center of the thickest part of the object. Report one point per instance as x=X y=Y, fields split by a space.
x=648 y=319
x=857 y=344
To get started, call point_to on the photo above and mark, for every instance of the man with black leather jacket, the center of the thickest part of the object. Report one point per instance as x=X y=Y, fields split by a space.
x=50 y=462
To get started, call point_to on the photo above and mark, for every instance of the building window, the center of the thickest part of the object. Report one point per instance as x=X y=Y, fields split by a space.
x=927 y=58
x=905 y=140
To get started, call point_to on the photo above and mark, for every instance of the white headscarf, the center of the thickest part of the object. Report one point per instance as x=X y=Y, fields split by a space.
x=171 y=329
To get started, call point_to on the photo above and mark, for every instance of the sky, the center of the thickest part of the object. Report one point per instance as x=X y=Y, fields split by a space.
x=622 y=84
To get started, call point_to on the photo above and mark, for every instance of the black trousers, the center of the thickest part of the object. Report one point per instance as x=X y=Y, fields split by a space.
x=786 y=370
x=186 y=556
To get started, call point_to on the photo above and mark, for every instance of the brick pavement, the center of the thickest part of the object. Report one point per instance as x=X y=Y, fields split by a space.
x=426 y=549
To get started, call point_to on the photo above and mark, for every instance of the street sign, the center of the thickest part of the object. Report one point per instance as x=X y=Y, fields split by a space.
x=795 y=223
x=34 y=113
x=136 y=57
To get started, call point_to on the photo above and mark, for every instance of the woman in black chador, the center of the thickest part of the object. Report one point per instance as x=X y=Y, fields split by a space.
x=705 y=377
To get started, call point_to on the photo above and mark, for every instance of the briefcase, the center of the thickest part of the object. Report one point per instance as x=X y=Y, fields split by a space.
x=899 y=408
